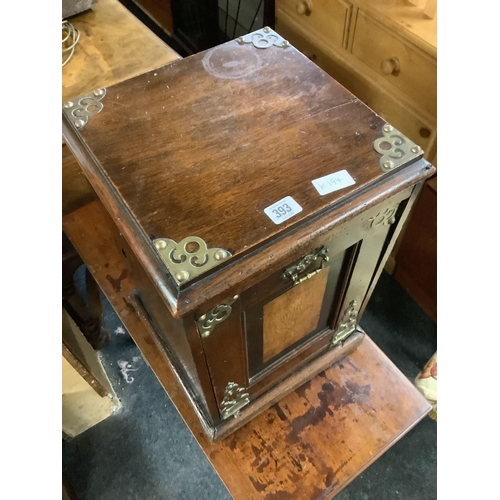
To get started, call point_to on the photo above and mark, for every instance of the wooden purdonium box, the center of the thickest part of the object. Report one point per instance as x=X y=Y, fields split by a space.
x=256 y=201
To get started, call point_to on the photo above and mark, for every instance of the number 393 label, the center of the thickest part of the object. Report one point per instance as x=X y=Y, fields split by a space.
x=282 y=210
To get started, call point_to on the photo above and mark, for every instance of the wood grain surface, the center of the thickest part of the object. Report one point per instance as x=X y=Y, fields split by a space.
x=318 y=438
x=193 y=150
x=416 y=256
x=188 y=150
x=375 y=46
x=406 y=21
x=292 y=315
x=114 y=45
x=377 y=93
x=160 y=11
x=82 y=406
x=308 y=446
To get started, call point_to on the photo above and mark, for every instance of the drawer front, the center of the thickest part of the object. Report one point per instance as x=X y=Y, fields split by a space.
x=399 y=62
x=349 y=72
x=327 y=19
x=255 y=340
x=405 y=119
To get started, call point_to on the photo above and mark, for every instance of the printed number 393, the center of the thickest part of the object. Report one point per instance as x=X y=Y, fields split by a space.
x=281 y=210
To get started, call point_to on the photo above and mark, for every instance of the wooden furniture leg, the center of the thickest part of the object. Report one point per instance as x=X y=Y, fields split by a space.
x=88 y=319
x=87 y=394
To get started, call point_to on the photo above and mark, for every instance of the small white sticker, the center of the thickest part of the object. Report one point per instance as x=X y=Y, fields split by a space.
x=333 y=182
x=282 y=210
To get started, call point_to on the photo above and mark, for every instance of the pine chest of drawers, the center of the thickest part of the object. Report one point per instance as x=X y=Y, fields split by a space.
x=255 y=201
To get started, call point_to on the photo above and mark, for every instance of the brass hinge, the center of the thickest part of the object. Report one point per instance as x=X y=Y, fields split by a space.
x=347 y=324
x=235 y=398
x=211 y=319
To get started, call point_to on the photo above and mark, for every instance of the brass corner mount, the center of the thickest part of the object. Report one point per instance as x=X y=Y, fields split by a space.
x=263 y=39
x=395 y=149
x=78 y=110
x=189 y=258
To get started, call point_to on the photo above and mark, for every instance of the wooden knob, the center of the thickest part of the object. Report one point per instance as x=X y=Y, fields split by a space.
x=390 y=66
x=424 y=132
x=304 y=7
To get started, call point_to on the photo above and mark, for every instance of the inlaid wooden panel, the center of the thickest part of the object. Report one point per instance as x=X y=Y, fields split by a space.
x=293 y=315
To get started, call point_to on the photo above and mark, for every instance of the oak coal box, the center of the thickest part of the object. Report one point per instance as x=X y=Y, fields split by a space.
x=256 y=201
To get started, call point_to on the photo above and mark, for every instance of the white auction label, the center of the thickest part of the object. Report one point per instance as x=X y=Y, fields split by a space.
x=282 y=210
x=333 y=182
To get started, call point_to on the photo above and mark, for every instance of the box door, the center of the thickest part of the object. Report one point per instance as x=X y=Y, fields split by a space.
x=255 y=340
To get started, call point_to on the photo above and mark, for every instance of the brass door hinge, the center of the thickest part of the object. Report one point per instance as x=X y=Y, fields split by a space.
x=211 y=319
x=347 y=324
x=235 y=398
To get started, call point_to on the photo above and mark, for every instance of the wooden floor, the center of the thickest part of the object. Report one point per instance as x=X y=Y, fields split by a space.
x=311 y=444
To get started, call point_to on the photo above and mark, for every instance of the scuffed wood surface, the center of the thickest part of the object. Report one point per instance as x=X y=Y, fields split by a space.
x=318 y=438
x=308 y=446
x=114 y=46
x=293 y=315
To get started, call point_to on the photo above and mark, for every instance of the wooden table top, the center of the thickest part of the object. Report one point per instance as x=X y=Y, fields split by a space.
x=114 y=46
x=308 y=446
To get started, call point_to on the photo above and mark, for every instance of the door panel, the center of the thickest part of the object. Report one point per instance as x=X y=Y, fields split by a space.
x=281 y=323
x=291 y=316
x=296 y=314
x=224 y=348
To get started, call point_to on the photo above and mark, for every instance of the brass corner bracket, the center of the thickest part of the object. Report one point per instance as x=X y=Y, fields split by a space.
x=211 y=319
x=78 y=110
x=264 y=38
x=189 y=258
x=347 y=324
x=396 y=149
x=235 y=398
x=385 y=218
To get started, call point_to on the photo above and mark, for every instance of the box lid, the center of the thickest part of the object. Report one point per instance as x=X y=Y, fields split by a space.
x=193 y=157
